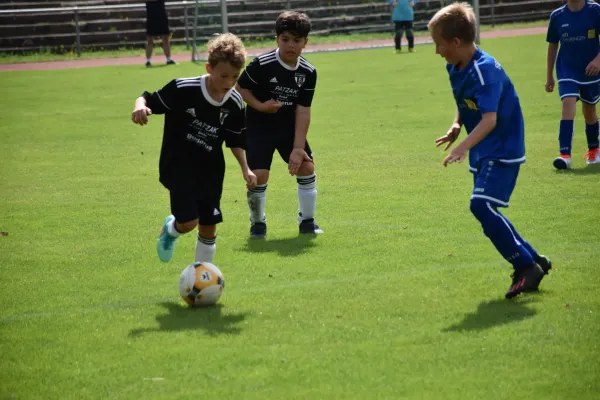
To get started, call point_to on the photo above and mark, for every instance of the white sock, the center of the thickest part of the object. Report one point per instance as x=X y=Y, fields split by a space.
x=307 y=196
x=147 y=60
x=257 y=198
x=172 y=231
x=205 y=249
x=169 y=59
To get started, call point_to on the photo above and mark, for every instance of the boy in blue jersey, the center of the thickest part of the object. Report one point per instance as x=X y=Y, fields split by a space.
x=576 y=26
x=403 y=17
x=488 y=107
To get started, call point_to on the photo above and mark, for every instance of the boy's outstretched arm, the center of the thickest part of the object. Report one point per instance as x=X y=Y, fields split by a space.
x=452 y=133
x=550 y=61
x=298 y=155
x=485 y=126
x=140 y=112
x=269 y=107
x=249 y=176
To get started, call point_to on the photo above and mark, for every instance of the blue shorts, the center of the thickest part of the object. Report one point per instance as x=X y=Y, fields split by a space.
x=587 y=93
x=495 y=182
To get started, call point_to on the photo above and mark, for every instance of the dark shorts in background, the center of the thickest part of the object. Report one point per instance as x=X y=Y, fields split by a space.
x=157 y=21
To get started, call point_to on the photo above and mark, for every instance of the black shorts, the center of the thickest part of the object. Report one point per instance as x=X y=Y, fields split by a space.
x=261 y=147
x=186 y=207
x=403 y=25
x=157 y=22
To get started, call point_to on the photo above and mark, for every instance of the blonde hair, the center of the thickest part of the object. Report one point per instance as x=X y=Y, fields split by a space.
x=456 y=20
x=227 y=48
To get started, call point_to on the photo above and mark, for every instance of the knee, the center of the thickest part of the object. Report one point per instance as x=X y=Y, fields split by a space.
x=589 y=113
x=568 y=108
x=262 y=176
x=207 y=231
x=187 y=226
x=480 y=209
x=307 y=168
x=409 y=33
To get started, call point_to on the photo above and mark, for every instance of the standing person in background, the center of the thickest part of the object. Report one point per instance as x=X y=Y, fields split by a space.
x=403 y=16
x=157 y=26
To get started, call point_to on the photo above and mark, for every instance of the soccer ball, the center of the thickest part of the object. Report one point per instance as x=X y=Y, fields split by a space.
x=201 y=284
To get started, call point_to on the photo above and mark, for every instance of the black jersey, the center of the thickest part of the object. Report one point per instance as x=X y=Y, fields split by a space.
x=268 y=77
x=195 y=128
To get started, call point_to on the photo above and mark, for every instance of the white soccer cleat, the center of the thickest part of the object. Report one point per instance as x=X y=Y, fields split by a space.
x=592 y=157
x=562 y=162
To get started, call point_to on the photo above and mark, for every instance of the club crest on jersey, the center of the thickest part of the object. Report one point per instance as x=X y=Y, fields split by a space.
x=224 y=113
x=300 y=79
x=592 y=34
x=471 y=104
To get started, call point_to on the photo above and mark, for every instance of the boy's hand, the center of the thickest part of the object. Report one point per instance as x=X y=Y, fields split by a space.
x=297 y=157
x=270 y=107
x=250 y=178
x=411 y=3
x=593 y=67
x=450 y=136
x=457 y=154
x=140 y=115
x=550 y=85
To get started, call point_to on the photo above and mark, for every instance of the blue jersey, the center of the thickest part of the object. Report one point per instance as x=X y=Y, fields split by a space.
x=403 y=11
x=482 y=87
x=577 y=33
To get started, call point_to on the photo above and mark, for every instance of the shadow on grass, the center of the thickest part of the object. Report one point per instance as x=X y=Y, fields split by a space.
x=183 y=317
x=494 y=313
x=287 y=247
x=587 y=170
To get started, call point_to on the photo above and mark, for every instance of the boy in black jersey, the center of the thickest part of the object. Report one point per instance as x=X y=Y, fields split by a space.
x=200 y=114
x=278 y=87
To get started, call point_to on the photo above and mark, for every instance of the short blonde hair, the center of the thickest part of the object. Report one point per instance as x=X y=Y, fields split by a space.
x=227 y=48
x=456 y=20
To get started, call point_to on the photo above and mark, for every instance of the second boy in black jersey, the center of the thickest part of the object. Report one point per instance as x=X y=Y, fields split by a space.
x=200 y=114
x=278 y=87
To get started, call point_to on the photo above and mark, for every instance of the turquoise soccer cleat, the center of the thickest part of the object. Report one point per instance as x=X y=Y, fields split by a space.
x=165 y=246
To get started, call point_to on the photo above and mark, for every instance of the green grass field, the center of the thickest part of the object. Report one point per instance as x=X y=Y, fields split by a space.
x=402 y=298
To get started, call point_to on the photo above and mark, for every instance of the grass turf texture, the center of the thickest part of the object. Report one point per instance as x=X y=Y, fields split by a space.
x=401 y=298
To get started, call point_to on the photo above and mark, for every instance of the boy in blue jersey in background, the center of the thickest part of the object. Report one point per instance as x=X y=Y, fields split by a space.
x=489 y=108
x=576 y=26
x=403 y=17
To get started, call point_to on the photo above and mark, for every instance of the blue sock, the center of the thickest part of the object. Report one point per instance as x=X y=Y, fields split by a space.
x=591 y=131
x=565 y=136
x=500 y=233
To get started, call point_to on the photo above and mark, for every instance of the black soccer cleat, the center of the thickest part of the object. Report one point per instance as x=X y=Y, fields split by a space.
x=148 y=64
x=171 y=62
x=545 y=263
x=258 y=230
x=308 y=227
x=525 y=280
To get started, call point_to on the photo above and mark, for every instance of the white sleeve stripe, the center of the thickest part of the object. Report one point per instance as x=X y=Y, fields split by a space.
x=268 y=61
x=196 y=84
x=239 y=102
x=479 y=74
x=269 y=54
x=246 y=71
x=306 y=65
x=161 y=100
x=232 y=131
x=309 y=89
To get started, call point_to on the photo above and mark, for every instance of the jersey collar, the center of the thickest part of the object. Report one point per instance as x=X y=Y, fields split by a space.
x=207 y=95
x=284 y=65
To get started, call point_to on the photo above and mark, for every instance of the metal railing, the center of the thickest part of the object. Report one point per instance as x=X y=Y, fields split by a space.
x=486 y=6
x=76 y=10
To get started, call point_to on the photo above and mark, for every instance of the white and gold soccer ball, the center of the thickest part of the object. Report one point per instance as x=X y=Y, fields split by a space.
x=201 y=284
